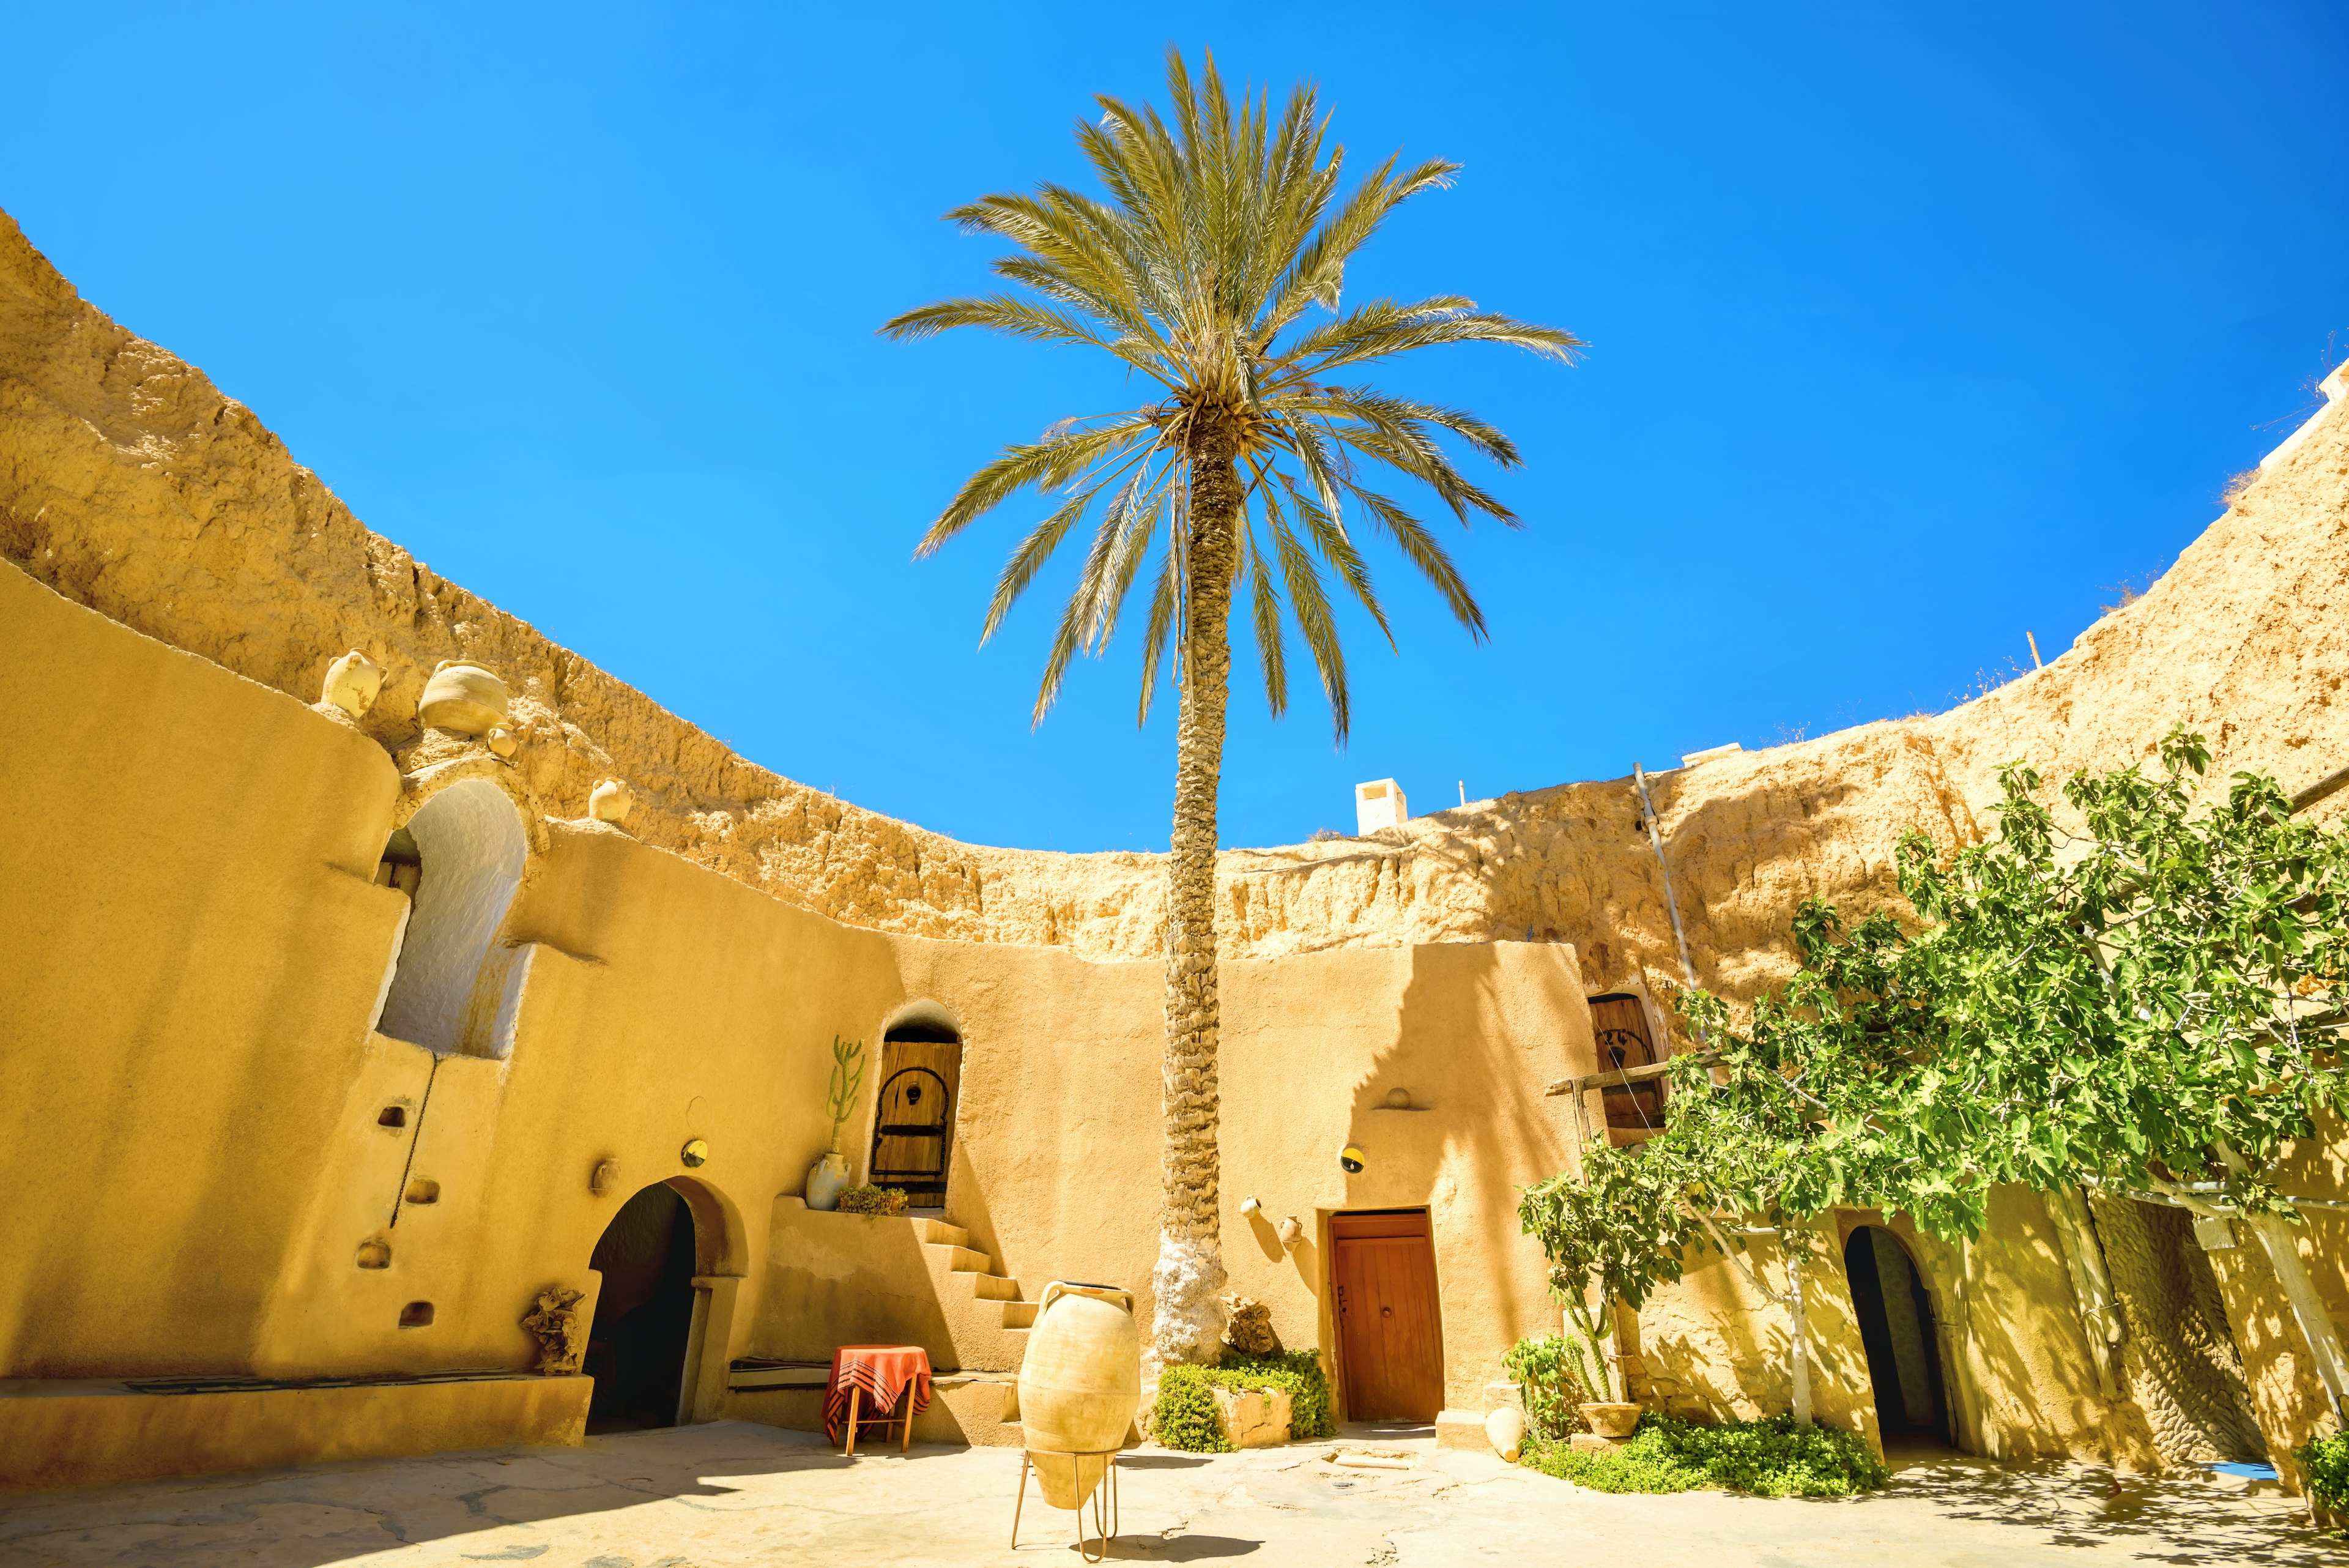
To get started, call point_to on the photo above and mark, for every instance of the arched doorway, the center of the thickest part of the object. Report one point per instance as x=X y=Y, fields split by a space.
x=913 y=1120
x=1897 y=1331
x=636 y=1349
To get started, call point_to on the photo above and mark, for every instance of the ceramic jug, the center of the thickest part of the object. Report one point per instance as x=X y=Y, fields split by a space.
x=827 y=1178
x=465 y=698
x=1080 y=1386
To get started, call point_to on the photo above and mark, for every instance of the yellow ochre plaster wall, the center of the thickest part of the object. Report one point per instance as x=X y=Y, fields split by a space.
x=210 y=962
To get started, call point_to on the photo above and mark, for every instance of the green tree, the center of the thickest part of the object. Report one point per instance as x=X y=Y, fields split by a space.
x=1212 y=274
x=2146 y=996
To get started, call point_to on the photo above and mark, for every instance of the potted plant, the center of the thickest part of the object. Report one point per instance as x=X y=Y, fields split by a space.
x=827 y=1178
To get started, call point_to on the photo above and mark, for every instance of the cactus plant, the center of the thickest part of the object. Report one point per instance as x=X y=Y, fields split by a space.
x=847 y=1073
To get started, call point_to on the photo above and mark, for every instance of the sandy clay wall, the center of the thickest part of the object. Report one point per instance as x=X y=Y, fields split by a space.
x=129 y=485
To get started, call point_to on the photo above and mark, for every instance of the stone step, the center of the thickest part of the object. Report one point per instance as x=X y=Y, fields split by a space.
x=1019 y=1314
x=994 y=1288
x=940 y=1231
x=962 y=1260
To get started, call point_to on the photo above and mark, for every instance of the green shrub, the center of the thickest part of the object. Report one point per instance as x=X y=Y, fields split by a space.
x=1771 y=1458
x=2326 y=1459
x=1184 y=1415
x=1555 y=1375
x=1298 y=1371
x=870 y=1200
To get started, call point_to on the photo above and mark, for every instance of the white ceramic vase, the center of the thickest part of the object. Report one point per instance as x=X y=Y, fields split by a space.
x=827 y=1178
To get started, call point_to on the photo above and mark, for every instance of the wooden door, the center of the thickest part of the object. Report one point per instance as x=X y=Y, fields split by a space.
x=1390 y=1329
x=913 y=1129
x=1620 y=1025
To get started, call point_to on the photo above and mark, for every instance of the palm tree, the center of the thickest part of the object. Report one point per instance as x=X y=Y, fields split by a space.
x=1222 y=231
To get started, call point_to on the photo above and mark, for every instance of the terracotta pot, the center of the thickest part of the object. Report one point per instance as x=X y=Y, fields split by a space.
x=1505 y=1428
x=1080 y=1386
x=463 y=697
x=1613 y=1420
x=827 y=1178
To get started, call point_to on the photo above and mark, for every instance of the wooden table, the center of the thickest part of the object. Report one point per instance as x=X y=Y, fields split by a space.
x=892 y=1378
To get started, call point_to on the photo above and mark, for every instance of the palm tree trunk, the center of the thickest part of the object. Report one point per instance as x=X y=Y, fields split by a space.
x=1189 y=1324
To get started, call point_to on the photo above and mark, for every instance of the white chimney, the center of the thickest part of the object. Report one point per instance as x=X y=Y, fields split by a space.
x=1379 y=804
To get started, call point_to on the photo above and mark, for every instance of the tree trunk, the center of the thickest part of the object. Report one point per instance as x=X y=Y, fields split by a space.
x=1799 y=1349
x=1189 y=1323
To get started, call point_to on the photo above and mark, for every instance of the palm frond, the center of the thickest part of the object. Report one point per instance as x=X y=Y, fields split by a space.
x=1319 y=626
x=1219 y=221
x=1155 y=636
x=1270 y=651
x=1336 y=546
x=1039 y=465
x=1420 y=548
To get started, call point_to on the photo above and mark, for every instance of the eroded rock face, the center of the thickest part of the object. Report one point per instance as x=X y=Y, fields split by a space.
x=129 y=482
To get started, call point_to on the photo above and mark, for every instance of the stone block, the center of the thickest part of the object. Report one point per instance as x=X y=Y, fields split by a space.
x=1462 y=1429
x=1504 y=1396
x=1254 y=1418
x=1592 y=1443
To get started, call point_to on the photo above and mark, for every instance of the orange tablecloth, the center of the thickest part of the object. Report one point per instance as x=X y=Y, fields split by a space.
x=883 y=1373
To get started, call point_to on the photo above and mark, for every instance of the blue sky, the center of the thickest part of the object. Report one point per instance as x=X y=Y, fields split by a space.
x=1911 y=329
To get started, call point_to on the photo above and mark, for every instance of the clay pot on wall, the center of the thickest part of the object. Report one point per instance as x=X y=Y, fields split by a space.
x=353 y=682
x=1611 y=1420
x=827 y=1178
x=463 y=698
x=1080 y=1386
x=611 y=801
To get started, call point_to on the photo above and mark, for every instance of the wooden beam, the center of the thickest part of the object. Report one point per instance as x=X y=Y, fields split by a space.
x=2330 y=784
x=1588 y=1081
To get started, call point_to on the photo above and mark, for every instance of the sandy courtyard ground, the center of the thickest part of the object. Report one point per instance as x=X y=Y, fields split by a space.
x=728 y=1493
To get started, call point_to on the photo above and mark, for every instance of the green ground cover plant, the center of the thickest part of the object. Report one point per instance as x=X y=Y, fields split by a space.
x=1184 y=1416
x=1774 y=1457
x=870 y=1200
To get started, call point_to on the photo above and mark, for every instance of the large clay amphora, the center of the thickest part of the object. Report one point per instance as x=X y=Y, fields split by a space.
x=463 y=697
x=1080 y=1386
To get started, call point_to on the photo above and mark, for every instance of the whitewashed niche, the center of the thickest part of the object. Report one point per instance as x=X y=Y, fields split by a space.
x=472 y=849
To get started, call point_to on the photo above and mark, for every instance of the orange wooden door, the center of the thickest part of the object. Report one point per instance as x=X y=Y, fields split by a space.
x=1390 y=1329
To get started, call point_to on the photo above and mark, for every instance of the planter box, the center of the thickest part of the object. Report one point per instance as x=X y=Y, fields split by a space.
x=1258 y=1419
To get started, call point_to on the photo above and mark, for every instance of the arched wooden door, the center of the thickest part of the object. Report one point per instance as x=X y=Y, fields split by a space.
x=911 y=1132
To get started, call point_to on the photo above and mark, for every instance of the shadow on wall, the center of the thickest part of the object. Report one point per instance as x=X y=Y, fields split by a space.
x=1483 y=1029
x=1712 y=1348
x=2026 y=1383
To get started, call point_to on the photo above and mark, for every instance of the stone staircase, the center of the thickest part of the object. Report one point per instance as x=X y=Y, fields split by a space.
x=971 y=1375
x=987 y=1318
